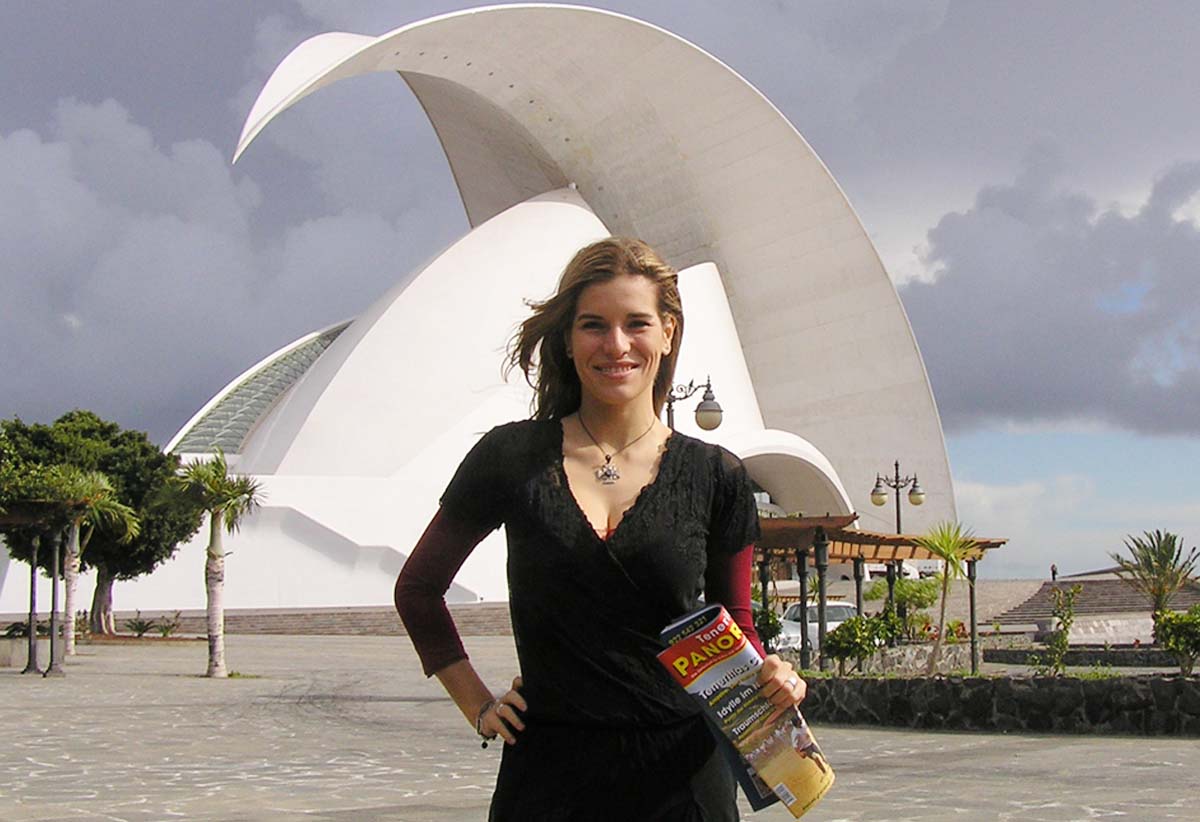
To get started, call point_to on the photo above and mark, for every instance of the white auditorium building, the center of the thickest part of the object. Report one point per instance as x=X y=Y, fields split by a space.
x=562 y=125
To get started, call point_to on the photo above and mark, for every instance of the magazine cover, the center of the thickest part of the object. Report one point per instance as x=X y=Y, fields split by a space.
x=710 y=657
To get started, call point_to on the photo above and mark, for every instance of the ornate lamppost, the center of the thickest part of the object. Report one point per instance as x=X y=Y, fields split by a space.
x=708 y=412
x=879 y=496
x=56 y=643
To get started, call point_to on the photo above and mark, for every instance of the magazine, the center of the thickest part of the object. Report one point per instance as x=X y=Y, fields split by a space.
x=778 y=758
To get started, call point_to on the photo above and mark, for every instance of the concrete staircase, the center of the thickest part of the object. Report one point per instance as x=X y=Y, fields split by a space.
x=1098 y=596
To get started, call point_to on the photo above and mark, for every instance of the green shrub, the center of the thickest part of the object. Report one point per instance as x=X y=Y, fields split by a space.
x=1063 y=607
x=860 y=637
x=139 y=627
x=767 y=623
x=1179 y=634
x=21 y=629
x=83 y=625
x=918 y=626
x=166 y=626
x=887 y=626
x=853 y=639
x=913 y=594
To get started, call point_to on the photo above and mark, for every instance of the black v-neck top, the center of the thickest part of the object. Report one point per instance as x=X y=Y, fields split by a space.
x=586 y=611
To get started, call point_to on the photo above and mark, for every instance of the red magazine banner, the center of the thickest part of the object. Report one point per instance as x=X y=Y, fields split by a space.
x=691 y=657
x=773 y=752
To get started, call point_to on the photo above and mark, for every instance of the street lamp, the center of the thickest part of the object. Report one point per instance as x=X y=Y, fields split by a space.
x=879 y=496
x=708 y=411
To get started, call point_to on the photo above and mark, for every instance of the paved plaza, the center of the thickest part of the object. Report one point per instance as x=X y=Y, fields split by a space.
x=330 y=728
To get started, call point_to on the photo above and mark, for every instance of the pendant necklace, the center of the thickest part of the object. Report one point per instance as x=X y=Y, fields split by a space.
x=608 y=474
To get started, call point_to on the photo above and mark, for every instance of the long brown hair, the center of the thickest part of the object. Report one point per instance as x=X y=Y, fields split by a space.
x=551 y=373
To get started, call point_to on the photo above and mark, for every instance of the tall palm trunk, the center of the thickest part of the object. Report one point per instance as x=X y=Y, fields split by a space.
x=101 y=618
x=214 y=582
x=70 y=582
x=935 y=652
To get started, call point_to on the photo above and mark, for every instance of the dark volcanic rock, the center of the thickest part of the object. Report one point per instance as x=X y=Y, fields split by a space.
x=1151 y=705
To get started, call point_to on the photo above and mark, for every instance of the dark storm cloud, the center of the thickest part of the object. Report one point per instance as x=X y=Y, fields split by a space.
x=134 y=285
x=1106 y=79
x=140 y=272
x=1047 y=307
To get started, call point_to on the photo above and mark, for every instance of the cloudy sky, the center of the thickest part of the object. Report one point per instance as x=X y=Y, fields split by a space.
x=1029 y=171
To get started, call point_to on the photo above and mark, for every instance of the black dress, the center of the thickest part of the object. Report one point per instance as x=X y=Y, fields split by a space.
x=608 y=734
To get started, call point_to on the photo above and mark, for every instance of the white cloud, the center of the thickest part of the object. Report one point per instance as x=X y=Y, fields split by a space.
x=1188 y=211
x=1022 y=505
x=1039 y=518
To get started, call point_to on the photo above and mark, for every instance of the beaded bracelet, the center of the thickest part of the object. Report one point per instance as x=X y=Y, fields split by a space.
x=487 y=706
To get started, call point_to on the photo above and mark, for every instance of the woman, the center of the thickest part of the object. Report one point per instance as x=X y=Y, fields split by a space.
x=615 y=526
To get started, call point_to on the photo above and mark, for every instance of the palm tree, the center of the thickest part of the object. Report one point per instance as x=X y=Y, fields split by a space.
x=94 y=504
x=953 y=546
x=1158 y=567
x=226 y=498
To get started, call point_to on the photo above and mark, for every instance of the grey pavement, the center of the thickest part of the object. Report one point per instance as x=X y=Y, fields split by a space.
x=330 y=728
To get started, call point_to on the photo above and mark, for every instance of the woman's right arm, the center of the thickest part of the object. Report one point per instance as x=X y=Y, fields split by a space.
x=420 y=597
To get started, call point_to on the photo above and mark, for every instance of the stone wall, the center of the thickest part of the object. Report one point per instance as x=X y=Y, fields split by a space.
x=1149 y=705
x=472 y=619
x=905 y=659
x=1085 y=657
x=913 y=659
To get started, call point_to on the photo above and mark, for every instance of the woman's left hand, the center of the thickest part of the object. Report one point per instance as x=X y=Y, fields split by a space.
x=781 y=684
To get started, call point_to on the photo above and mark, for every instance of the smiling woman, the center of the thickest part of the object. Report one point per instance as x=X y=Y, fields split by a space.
x=542 y=348
x=618 y=339
x=615 y=525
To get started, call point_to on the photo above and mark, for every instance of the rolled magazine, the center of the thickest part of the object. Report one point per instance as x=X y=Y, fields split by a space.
x=774 y=755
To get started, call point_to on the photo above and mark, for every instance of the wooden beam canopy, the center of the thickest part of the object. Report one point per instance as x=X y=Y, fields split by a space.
x=781 y=536
x=794 y=537
x=780 y=533
x=875 y=547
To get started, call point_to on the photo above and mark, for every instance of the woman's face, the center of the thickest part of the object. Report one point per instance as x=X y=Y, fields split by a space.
x=618 y=340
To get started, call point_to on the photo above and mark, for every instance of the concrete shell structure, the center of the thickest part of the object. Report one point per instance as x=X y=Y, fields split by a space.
x=562 y=125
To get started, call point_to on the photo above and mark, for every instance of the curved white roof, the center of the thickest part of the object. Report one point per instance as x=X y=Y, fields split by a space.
x=799 y=478
x=667 y=143
x=417 y=375
x=227 y=419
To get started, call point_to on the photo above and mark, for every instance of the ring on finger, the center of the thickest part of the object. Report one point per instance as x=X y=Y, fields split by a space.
x=792 y=682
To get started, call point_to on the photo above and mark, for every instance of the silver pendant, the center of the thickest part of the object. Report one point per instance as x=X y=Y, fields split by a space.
x=607 y=474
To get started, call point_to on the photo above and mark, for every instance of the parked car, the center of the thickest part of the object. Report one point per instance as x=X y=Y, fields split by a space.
x=835 y=614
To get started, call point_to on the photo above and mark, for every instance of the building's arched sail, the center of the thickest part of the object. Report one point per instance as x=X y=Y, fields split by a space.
x=563 y=124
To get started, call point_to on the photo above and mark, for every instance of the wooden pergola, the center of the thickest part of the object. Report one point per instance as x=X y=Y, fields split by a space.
x=830 y=538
